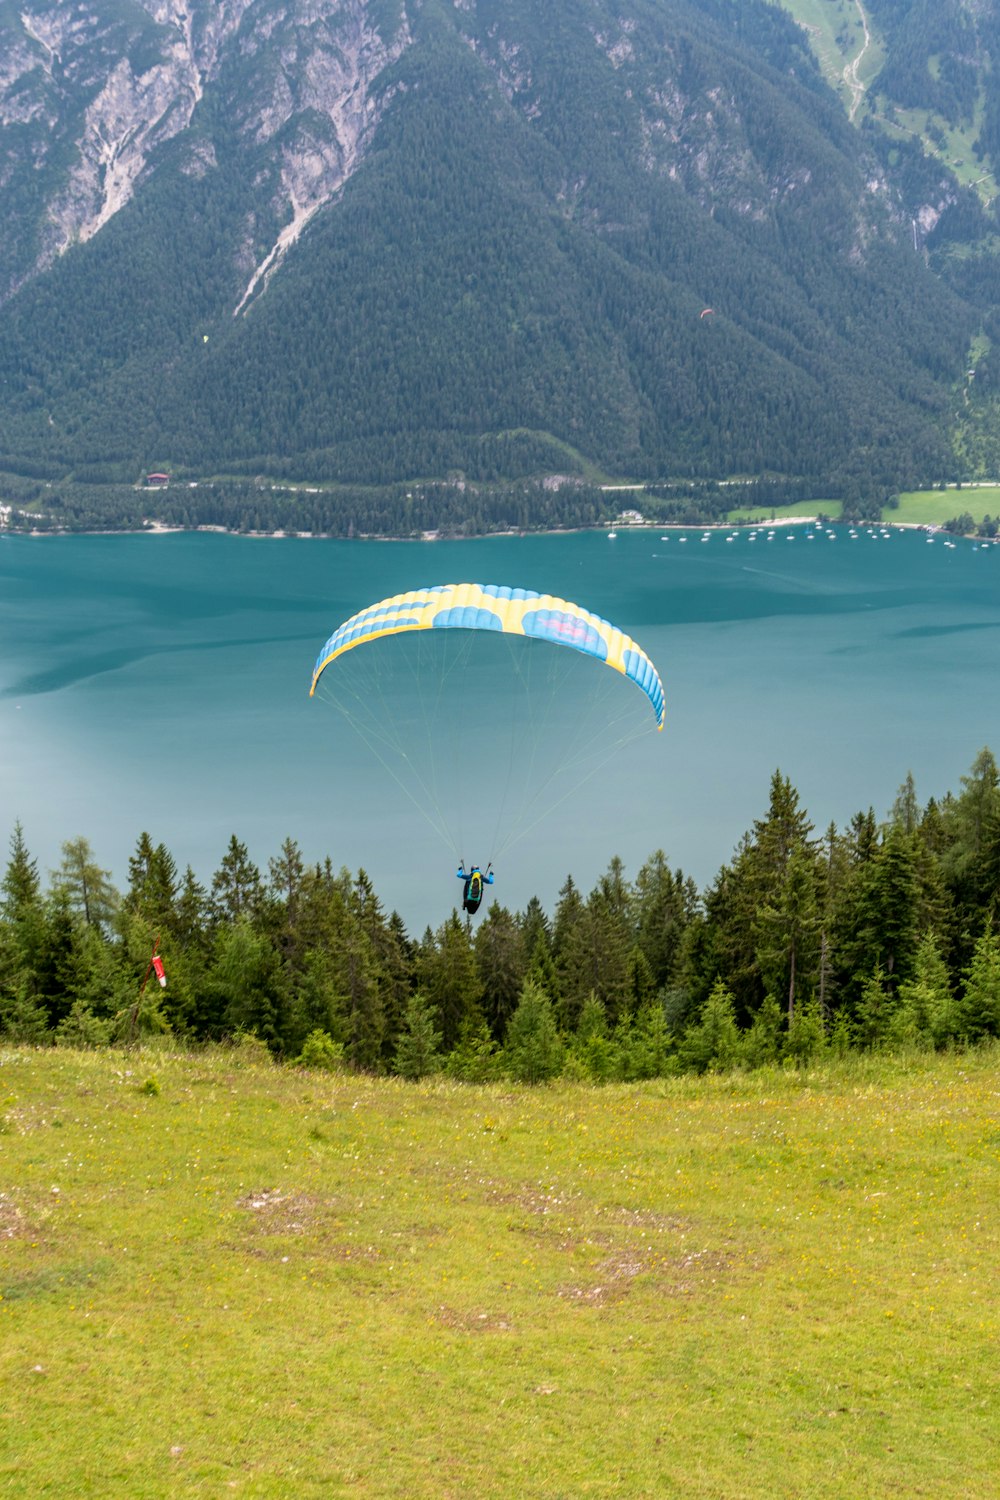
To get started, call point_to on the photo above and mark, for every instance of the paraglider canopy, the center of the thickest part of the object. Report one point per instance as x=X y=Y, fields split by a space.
x=490 y=606
x=464 y=697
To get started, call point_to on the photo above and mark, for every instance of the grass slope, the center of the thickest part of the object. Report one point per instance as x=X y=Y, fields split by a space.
x=837 y=38
x=934 y=507
x=752 y=513
x=238 y=1279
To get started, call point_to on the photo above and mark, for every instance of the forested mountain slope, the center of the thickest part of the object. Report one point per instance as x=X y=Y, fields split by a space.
x=919 y=81
x=380 y=241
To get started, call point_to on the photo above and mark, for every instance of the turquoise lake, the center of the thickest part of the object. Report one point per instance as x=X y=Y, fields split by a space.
x=161 y=683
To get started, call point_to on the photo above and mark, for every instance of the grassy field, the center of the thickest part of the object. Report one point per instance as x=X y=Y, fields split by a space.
x=837 y=37
x=754 y=513
x=221 y=1277
x=916 y=507
x=934 y=507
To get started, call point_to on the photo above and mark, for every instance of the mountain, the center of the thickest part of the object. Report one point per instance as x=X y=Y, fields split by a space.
x=360 y=245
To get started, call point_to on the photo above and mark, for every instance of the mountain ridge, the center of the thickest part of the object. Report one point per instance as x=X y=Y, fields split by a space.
x=381 y=243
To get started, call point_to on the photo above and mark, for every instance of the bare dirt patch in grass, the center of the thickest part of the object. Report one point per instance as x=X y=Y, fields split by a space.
x=24 y=1120
x=532 y=1200
x=612 y=1281
x=647 y=1219
x=278 y=1212
x=684 y=1275
x=474 y=1321
x=274 y=1215
x=13 y=1224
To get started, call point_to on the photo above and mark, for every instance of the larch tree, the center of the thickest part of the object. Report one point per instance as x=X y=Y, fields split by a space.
x=87 y=887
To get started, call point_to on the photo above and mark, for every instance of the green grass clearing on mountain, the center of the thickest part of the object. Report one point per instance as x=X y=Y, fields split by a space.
x=951 y=144
x=220 y=1276
x=934 y=507
x=837 y=38
x=753 y=513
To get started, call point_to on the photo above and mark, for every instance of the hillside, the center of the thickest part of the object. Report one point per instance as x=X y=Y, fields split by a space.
x=920 y=83
x=221 y=1277
x=379 y=245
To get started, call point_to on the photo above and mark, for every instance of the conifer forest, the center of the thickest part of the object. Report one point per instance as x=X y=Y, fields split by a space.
x=881 y=934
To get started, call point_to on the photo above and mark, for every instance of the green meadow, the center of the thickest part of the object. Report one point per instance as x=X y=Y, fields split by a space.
x=752 y=513
x=934 y=507
x=224 y=1277
x=915 y=507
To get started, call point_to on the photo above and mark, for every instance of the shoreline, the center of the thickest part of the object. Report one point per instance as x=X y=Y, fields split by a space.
x=609 y=528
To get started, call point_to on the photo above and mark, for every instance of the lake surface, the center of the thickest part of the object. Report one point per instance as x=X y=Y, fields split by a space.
x=161 y=683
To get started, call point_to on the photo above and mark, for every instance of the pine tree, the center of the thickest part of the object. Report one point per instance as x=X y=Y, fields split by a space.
x=395 y=956
x=20 y=886
x=976 y=805
x=927 y=999
x=285 y=877
x=542 y=971
x=616 y=895
x=986 y=874
x=905 y=811
x=533 y=1052
x=237 y=889
x=418 y=1046
x=357 y=981
x=566 y=942
x=651 y=1053
x=639 y=985
x=934 y=909
x=753 y=884
x=592 y=1045
x=192 y=913
x=874 y=1011
x=896 y=905
x=806 y=1033
x=321 y=1052
x=592 y=953
x=979 y=1008
x=474 y=1058
x=862 y=838
x=315 y=1003
x=785 y=829
x=877 y=926
x=152 y=882
x=51 y=940
x=501 y=964
x=714 y=1042
x=446 y=972
x=788 y=929
x=120 y=982
x=390 y=950
x=245 y=983
x=535 y=926
x=664 y=904
x=762 y=1044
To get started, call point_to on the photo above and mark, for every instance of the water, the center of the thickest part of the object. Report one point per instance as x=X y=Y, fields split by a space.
x=161 y=684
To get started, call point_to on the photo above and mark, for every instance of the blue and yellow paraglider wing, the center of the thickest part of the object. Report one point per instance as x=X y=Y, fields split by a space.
x=489 y=606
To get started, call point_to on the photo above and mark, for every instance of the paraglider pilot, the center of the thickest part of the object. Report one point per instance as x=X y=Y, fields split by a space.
x=472 y=891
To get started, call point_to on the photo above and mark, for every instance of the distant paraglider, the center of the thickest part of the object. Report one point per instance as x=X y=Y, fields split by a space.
x=707 y=312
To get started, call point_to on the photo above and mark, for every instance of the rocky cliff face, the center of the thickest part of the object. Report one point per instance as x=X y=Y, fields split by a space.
x=90 y=94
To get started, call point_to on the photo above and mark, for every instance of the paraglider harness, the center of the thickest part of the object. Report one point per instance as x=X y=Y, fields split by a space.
x=472 y=892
